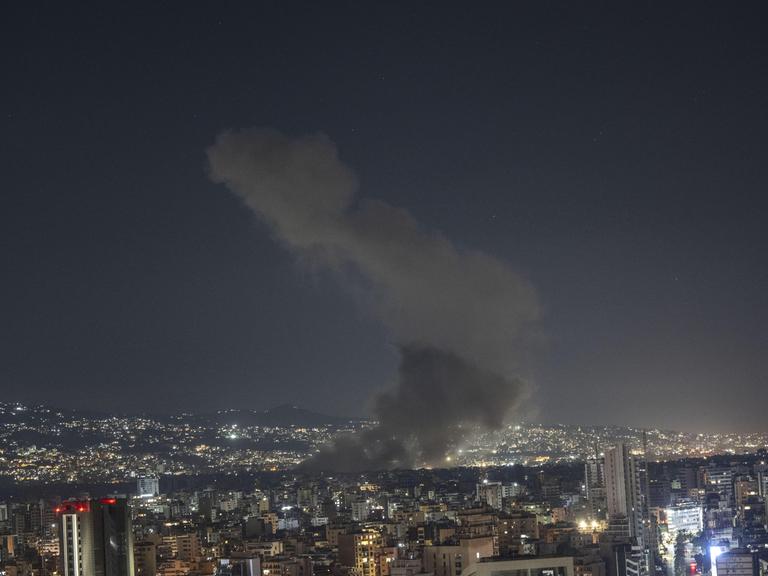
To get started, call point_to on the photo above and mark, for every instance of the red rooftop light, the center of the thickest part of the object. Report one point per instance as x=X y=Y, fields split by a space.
x=74 y=506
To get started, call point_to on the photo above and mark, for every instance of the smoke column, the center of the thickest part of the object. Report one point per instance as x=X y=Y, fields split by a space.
x=459 y=317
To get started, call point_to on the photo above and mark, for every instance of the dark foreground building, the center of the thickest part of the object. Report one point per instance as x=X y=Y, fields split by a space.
x=95 y=538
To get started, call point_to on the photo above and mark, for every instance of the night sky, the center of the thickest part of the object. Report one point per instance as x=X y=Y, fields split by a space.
x=615 y=155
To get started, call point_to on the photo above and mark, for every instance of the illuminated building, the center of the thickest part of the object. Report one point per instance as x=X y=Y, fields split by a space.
x=361 y=552
x=623 y=489
x=684 y=518
x=719 y=523
x=490 y=493
x=594 y=486
x=746 y=490
x=147 y=487
x=95 y=538
x=512 y=490
x=387 y=557
x=241 y=565
x=762 y=481
x=735 y=563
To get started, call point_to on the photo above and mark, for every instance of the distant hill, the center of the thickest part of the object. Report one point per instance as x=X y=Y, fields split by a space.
x=283 y=415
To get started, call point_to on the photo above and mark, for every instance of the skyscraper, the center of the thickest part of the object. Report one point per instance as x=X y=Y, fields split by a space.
x=594 y=486
x=624 y=491
x=95 y=538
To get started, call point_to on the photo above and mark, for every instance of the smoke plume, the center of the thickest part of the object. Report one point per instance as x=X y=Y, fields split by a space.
x=458 y=316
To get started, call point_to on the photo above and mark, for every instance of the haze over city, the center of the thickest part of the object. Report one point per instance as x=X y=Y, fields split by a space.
x=610 y=159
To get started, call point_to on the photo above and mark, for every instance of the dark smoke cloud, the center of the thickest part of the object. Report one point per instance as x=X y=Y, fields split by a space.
x=417 y=421
x=459 y=316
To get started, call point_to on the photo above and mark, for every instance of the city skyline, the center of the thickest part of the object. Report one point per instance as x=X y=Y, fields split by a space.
x=44 y=448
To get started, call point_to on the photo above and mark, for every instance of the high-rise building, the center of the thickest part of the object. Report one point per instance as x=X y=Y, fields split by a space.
x=762 y=483
x=95 y=538
x=746 y=490
x=594 y=486
x=624 y=490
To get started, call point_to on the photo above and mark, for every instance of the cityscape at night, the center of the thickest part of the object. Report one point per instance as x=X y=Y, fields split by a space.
x=200 y=494
x=402 y=288
x=42 y=445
